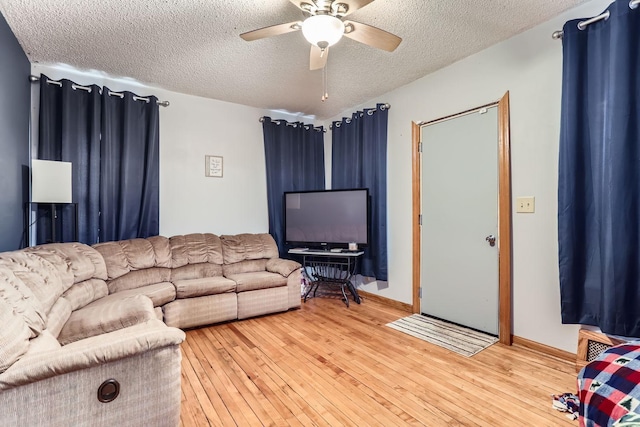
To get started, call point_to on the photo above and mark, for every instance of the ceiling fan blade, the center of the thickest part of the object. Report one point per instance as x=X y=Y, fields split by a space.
x=274 y=30
x=318 y=58
x=371 y=36
x=305 y=5
x=353 y=5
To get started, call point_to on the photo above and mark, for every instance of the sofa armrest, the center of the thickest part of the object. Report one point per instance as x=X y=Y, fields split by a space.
x=91 y=352
x=281 y=266
x=149 y=385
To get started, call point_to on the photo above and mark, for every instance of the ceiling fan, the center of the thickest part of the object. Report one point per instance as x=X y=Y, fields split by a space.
x=325 y=27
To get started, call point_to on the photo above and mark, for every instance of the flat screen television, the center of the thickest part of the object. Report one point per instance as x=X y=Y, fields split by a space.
x=327 y=219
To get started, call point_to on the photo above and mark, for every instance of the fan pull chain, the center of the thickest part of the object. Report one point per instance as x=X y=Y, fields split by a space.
x=325 y=83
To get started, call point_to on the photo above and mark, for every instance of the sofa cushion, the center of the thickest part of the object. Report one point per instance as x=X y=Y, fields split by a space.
x=22 y=301
x=139 y=278
x=139 y=253
x=38 y=274
x=246 y=266
x=282 y=266
x=86 y=292
x=114 y=258
x=158 y=293
x=205 y=286
x=257 y=280
x=14 y=336
x=196 y=271
x=82 y=252
x=84 y=261
x=58 y=316
x=147 y=253
x=58 y=259
x=248 y=246
x=124 y=256
x=195 y=248
x=96 y=319
x=162 y=250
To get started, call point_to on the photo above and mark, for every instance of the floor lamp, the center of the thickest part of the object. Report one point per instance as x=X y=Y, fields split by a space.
x=51 y=185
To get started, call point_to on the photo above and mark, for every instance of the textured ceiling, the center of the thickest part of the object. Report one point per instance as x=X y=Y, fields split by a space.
x=193 y=46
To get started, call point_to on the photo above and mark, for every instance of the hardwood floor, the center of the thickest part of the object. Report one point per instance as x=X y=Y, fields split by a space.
x=328 y=365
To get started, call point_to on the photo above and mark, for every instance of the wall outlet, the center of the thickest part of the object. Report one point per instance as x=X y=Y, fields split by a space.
x=526 y=204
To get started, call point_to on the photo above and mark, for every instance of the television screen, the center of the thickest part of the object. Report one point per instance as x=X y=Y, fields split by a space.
x=332 y=218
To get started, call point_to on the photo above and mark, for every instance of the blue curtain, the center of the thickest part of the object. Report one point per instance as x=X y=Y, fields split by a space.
x=69 y=130
x=112 y=143
x=359 y=160
x=294 y=154
x=599 y=173
x=129 y=165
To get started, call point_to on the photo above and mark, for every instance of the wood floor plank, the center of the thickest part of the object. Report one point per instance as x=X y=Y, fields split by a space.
x=443 y=391
x=242 y=379
x=262 y=376
x=319 y=372
x=307 y=383
x=191 y=410
x=283 y=387
x=440 y=391
x=214 y=367
x=348 y=362
x=329 y=365
x=475 y=376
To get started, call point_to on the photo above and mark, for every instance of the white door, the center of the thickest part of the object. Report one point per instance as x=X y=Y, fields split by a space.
x=459 y=265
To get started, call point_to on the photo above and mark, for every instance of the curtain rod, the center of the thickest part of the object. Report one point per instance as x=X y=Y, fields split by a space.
x=481 y=109
x=370 y=111
x=384 y=106
x=36 y=79
x=293 y=124
x=633 y=4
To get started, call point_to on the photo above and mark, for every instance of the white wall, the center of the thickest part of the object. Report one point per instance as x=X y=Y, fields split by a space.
x=529 y=66
x=190 y=128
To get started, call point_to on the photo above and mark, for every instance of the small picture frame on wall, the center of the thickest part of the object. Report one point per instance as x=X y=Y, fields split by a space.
x=213 y=166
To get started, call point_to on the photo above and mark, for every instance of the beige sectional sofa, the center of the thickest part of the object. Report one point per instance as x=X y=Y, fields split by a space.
x=74 y=318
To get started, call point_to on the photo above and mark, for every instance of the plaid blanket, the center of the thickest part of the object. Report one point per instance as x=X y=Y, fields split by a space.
x=609 y=388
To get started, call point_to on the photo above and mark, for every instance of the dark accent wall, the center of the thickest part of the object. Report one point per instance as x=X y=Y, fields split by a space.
x=15 y=102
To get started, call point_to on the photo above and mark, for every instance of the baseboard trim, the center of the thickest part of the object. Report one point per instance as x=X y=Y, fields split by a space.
x=387 y=301
x=544 y=349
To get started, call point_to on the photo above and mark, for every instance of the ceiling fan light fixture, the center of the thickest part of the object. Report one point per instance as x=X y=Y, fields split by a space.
x=323 y=30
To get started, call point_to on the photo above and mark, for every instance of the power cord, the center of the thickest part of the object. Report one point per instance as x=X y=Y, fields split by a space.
x=23 y=240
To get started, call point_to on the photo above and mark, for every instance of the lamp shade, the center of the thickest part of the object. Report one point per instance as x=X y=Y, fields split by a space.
x=50 y=181
x=323 y=30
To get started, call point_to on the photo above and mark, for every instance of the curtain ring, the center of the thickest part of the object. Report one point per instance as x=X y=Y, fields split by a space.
x=633 y=4
x=383 y=107
x=76 y=87
x=370 y=112
x=347 y=121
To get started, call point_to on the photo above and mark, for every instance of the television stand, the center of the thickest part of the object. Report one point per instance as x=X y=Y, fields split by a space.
x=331 y=269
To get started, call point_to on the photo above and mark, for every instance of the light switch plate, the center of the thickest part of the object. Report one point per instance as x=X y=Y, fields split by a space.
x=526 y=204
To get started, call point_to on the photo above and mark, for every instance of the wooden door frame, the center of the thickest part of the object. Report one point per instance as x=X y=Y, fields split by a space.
x=504 y=217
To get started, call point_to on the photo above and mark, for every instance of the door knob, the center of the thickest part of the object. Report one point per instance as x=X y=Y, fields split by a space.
x=491 y=239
